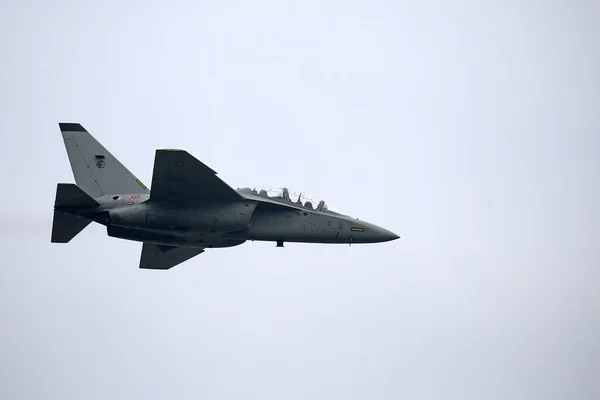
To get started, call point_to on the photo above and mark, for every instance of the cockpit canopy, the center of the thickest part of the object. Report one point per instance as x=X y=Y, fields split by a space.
x=295 y=197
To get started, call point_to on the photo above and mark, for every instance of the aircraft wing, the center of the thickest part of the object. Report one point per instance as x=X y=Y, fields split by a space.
x=156 y=256
x=178 y=176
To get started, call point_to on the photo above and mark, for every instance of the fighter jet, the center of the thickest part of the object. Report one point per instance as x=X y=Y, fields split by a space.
x=188 y=208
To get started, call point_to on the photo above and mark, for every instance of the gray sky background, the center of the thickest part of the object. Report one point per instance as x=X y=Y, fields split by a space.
x=470 y=128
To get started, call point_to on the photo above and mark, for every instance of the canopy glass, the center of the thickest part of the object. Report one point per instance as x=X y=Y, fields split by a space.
x=292 y=196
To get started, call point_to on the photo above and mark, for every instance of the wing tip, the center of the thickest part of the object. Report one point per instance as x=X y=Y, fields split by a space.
x=182 y=156
x=71 y=127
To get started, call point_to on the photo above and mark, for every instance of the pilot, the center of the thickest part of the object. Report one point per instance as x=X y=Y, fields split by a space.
x=286 y=194
x=321 y=205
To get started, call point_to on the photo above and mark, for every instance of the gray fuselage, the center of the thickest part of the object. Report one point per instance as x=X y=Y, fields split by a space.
x=226 y=224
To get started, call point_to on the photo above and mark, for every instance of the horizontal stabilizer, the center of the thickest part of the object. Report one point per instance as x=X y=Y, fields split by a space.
x=156 y=256
x=70 y=195
x=66 y=226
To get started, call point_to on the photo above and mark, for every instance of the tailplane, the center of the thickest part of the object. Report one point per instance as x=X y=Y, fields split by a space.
x=96 y=170
x=66 y=223
x=66 y=226
x=70 y=195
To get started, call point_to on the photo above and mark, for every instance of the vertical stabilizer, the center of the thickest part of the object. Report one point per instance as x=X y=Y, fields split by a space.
x=96 y=170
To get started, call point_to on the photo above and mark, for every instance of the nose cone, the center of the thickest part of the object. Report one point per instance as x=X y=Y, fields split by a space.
x=373 y=234
x=383 y=235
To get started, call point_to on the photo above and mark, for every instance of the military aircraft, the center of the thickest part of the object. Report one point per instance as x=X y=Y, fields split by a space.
x=188 y=208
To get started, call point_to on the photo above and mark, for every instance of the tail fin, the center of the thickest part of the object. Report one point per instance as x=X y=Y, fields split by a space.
x=96 y=170
x=66 y=226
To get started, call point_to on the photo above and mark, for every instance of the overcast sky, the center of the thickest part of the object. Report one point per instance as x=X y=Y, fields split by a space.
x=470 y=128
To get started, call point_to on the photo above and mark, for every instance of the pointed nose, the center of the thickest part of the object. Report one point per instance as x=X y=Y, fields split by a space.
x=375 y=234
x=383 y=235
